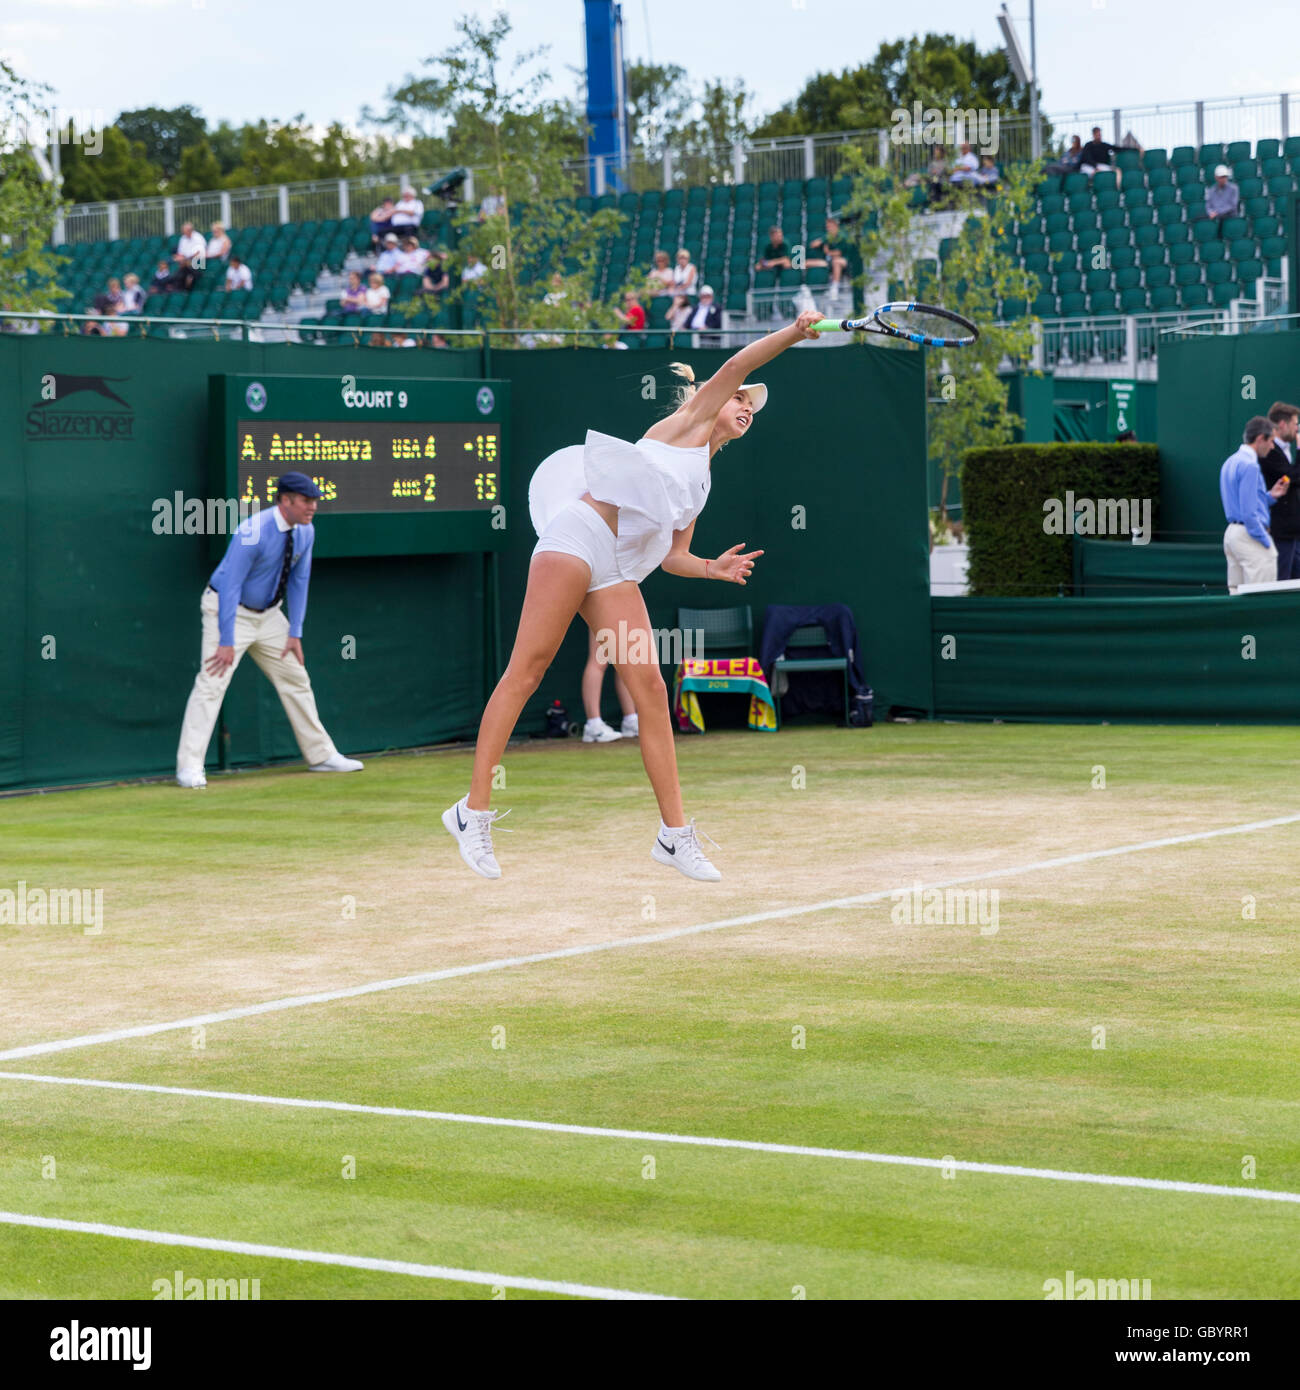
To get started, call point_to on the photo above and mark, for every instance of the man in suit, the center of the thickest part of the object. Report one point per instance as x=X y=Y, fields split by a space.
x=267 y=563
x=704 y=316
x=1279 y=462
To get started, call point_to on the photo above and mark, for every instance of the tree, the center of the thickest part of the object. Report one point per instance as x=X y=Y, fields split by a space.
x=968 y=401
x=700 y=124
x=121 y=169
x=165 y=135
x=199 y=170
x=936 y=70
x=659 y=101
x=486 y=115
x=28 y=203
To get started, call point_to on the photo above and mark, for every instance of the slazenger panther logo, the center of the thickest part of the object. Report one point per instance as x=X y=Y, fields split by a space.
x=56 y=416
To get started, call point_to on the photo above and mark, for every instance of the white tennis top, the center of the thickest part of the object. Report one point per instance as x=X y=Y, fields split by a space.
x=658 y=489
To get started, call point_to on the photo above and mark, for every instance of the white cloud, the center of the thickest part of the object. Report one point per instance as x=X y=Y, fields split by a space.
x=32 y=29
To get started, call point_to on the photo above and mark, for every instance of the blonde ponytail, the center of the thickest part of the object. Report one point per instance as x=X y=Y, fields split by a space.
x=682 y=394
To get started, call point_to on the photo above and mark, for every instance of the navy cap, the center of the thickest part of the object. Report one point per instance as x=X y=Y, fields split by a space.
x=298 y=482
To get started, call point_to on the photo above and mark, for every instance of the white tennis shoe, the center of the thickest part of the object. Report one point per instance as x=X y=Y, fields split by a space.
x=472 y=831
x=597 y=731
x=680 y=849
x=191 y=777
x=631 y=726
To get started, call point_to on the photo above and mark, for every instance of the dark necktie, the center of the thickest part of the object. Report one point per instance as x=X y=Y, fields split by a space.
x=284 y=568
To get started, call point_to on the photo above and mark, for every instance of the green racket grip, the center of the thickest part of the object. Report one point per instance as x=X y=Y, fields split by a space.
x=830 y=326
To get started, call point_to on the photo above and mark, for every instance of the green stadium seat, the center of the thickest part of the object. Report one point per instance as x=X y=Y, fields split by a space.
x=1187 y=274
x=1054 y=202
x=1045 y=306
x=1194 y=296
x=1121 y=257
x=1084 y=220
x=1234 y=227
x=1210 y=251
x=1139 y=218
x=1032 y=241
x=1182 y=154
x=1086 y=239
x=1261 y=227
x=1012 y=309
x=1060 y=241
x=1222 y=294
x=1176 y=233
x=1242 y=248
x=1068 y=282
x=1118 y=236
x=1272 y=248
x=1219 y=273
x=1056 y=222
x=1187 y=175
x=1281 y=186
x=1182 y=253
x=1105 y=181
x=1103 y=302
x=1134 y=301
x=1066 y=260
x=1238 y=150
x=1205 y=231
x=1072 y=304
x=1268 y=149
x=1156 y=277
x=1273 y=268
x=1169 y=214
x=1163 y=298
x=1128 y=161
x=1163 y=197
x=1113 y=217
x=1136 y=197
x=1244 y=169
x=1210 y=155
x=1074 y=183
x=1271 y=168
x=1036 y=261
x=1128 y=278
x=1098 y=280
x=1080 y=201
x=1248 y=272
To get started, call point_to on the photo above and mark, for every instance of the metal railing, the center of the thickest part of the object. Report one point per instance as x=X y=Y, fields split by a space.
x=1197 y=123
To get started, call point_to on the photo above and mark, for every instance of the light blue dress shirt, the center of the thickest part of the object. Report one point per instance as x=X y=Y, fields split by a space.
x=249 y=573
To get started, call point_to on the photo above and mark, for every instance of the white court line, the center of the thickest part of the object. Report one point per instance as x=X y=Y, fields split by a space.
x=299 y=1001
x=1203 y=1189
x=321 y=1257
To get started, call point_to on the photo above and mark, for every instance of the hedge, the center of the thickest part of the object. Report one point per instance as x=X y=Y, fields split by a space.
x=1013 y=554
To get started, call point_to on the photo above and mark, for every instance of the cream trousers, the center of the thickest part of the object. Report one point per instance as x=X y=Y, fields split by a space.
x=263 y=636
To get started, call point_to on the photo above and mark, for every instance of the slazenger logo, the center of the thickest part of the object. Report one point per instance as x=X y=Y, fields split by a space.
x=58 y=416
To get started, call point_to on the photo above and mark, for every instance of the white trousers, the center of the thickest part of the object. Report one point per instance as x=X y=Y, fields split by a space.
x=1248 y=561
x=263 y=636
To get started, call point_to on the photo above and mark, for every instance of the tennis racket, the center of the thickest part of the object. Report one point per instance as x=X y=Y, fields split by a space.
x=917 y=323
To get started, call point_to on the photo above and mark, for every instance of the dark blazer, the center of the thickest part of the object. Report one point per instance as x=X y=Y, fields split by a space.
x=1284 y=515
x=713 y=317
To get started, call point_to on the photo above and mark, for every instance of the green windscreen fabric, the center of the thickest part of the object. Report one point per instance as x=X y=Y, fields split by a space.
x=1215 y=660
x=100 y=625
x=1118 y=569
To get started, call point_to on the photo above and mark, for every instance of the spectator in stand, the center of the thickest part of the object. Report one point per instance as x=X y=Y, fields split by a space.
x=1223 y=197
x=408 y=212
x=132 y=295
x=661 y=275
x=937 y=172
x=412 y=258
x=238 y=276
x=492 y=205
x=92 y=327
x=987 y=176
x=1069 y=162
x=218 y=245
x=381 y=222
x=377 y=295
x=1251 y=554
x=112 y=295
x=679 y=315
x=474 y=269
x=388 y=257
x=705 y=316
x=1279 y=462
x=353 y=299
x=113 y=326
x=436 y=281
x=1096 y=155
x=631 y=315
x=776 y=254
x=190 y=248
x=964 y=166
x=162 y=278
x=832 y=249
x=684 y=273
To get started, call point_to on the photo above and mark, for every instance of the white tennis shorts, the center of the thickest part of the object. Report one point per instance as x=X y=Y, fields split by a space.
x=579 y=529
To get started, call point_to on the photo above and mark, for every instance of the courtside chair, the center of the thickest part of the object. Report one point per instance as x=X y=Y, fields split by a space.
x=805 y=638
x=727 y=631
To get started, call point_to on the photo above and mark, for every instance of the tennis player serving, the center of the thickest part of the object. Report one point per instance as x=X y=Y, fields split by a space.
x=608 y=513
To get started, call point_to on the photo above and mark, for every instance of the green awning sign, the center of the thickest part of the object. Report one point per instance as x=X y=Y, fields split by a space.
x=1119 y=407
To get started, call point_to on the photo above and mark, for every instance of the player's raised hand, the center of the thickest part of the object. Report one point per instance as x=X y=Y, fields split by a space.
x=732 y=566
x=804 y=323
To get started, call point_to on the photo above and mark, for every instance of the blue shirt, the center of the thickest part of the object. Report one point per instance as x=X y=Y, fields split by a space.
x=249 y=573
x=1244 y=496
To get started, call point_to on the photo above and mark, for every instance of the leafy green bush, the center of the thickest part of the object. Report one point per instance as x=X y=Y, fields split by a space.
x=1013 y=551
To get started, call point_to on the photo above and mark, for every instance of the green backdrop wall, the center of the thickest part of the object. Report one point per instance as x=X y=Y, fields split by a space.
x=1201 y=412
x=842 y=437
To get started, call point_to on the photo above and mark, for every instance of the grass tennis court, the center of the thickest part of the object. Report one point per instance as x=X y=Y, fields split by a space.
x=944 y=1041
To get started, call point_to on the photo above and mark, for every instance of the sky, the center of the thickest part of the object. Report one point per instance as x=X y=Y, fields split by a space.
x=246 y=59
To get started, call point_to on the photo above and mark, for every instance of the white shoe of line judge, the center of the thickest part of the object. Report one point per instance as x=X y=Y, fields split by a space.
x=338 y=763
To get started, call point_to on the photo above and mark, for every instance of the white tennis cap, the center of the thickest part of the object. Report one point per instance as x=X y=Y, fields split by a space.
x=757 y=393
x=706 y=289
x=1222 y=172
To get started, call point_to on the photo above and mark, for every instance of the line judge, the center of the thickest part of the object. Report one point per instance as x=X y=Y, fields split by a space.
x=267 y=564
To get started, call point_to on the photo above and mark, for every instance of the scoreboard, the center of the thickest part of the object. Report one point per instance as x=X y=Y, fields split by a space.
x=405 y=465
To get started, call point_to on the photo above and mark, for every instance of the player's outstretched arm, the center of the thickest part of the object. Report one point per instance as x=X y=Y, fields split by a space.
x=733 y=373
